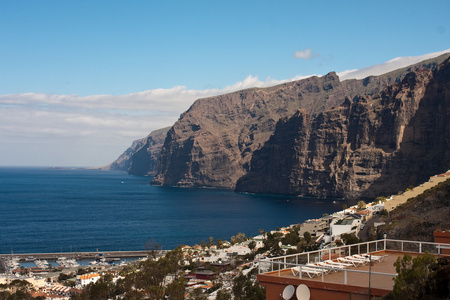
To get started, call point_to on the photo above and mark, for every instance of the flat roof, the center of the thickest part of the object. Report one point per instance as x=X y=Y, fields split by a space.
x=359 y=279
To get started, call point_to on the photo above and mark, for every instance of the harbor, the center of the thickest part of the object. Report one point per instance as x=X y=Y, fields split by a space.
x=70 y=259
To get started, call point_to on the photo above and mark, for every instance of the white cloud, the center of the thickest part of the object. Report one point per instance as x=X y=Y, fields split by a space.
x=305 y=54
x=391 y=65
x=42 y=129
x=103 y=123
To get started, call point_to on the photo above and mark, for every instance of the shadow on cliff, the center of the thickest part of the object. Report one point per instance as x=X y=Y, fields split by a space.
x=424 y=150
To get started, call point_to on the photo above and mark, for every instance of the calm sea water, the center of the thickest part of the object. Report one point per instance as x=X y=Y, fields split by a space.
x=53 y=210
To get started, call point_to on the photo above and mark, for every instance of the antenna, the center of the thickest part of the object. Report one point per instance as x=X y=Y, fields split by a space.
x=288 y=292
x=303 y=292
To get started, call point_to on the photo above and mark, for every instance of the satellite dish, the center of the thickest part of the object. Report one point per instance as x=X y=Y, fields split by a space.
x=288 y=292
x=303 y=292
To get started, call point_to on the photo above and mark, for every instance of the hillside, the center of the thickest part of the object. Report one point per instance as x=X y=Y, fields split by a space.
x=418 y=218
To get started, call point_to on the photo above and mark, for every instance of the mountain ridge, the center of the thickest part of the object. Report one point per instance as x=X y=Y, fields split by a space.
x=364 y=148
x=214 y=141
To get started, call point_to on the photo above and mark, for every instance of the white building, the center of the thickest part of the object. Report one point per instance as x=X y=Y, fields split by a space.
x=86 y=279
x=345 y=225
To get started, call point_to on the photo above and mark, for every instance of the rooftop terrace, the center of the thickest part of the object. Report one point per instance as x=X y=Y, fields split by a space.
x=373 y=272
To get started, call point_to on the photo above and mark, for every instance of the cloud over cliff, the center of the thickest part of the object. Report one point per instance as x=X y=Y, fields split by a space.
x=46 y=129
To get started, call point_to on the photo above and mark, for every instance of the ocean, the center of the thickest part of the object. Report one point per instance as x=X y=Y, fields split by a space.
x=64 y=210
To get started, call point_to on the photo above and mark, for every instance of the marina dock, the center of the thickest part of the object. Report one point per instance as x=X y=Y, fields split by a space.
x=108 y=256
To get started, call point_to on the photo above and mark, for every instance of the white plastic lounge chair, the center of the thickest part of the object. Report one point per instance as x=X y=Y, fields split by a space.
x=311 y=272
x=354 y=262
x=364 y=261
x=332 y=262
x=375 y=258
x=319 y=266
x=335 y=267
x=360 y=257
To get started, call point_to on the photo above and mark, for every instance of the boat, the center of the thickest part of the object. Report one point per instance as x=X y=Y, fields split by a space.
x=42 y=264
x=67 y=262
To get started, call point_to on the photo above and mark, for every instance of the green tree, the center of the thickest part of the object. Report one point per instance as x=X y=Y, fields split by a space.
x=21 y=285
x=263 y=233
x=291 y=238
x=153 y=271
x=176 y=289
x=252 y=245
x=413 y=274
x=380 y=199
x=307 y=237
x=244 y=288
x=361 y=205
x=211 y=242
x=219 y=243
x=223 y=295
x=240 y=237
x=350 y=239
x=197 y=294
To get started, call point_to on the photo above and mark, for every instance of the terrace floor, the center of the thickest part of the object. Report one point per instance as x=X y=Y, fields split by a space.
x=356 y=278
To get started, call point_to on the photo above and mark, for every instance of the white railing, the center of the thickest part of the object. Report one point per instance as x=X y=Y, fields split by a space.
x=323 y=270
x=299 y=260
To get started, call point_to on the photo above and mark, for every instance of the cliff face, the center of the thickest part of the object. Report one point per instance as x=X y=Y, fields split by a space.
x=142 y=157
x=212 y=143
x=123 y=162
x=370 y=146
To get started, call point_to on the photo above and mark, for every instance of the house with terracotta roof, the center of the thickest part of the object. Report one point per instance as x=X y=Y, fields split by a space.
x=366 y=215
x=86 y=279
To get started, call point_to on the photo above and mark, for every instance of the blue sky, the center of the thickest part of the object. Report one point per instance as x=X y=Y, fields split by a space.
x=57 y=57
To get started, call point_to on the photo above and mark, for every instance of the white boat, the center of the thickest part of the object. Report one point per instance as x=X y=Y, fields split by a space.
x=67 y=262
x=42 y=264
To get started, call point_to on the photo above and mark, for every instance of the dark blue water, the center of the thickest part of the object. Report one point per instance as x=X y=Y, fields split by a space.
x=53 y=210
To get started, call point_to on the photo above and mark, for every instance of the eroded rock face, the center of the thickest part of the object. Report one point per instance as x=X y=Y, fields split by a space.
x=324 y=145
x=142 y=157
x=212 y=144
x=370 y=146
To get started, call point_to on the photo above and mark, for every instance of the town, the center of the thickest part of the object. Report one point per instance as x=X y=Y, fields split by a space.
x=214 y=269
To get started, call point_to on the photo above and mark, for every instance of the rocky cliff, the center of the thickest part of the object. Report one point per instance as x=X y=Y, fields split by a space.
x=142 y=157
x=213 y=143
x=367 y=147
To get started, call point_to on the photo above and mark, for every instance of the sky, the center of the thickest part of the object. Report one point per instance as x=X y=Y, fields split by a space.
x=80 y=80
